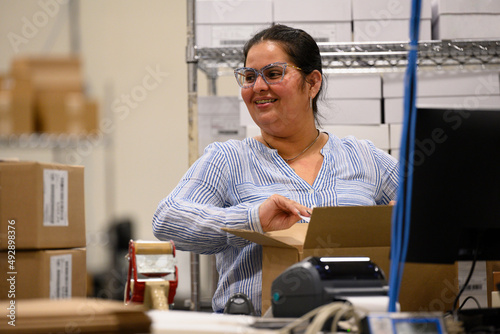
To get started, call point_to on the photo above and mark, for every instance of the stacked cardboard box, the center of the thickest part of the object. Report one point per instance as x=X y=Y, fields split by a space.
x=465 y=19
x=42 y=231
x=442 y=89
x=230 y=23
x=324 y=20
x=387 y=20
x=16 y=106
x=46 y=96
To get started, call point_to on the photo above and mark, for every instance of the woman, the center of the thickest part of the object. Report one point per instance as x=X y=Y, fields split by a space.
x=265 y=183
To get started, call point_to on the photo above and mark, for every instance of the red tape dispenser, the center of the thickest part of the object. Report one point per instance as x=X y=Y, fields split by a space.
x=152 y=274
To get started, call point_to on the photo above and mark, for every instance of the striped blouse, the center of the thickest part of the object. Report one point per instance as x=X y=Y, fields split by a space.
x=225 y=187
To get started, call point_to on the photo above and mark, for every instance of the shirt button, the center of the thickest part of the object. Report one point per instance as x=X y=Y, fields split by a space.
x=311 y=191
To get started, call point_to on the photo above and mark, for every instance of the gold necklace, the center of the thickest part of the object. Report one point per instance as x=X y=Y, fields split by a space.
x=304 y=151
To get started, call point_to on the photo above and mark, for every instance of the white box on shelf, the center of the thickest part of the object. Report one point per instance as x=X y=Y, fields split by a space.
x=234 y=12
x=218 y=120
x=387 y=9
x=350 y=111
x=245 y=118
x=353 y=86
x=377 y=134
x=465 y=7
x=225 y=35
x=466 y=26
x=312 y=11
x=325 y=31
x=395 y=130
x=444 y=83
x=388 y=30
x=393 y=107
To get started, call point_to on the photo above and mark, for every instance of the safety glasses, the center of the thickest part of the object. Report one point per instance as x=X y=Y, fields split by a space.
x=272 y=74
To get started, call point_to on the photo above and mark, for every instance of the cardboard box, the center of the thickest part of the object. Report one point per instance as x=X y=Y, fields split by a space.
x=350 y=111
x=323 y=32
x=465 y=7
x=70 y=113
x=466 y=26
x=54 y=274
x=218 y=120
x=16 y=113
x=393 y=107
x=353 y=231
x=226 y=35
x=387 y=9
x=41 y=206
x=314 y=11
x=389 y=30
x=49 y=73
x=353 y=86
x=444 y=83
x=234 y=12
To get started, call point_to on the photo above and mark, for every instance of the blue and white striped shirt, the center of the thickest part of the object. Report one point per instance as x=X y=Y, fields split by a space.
x=225 y=187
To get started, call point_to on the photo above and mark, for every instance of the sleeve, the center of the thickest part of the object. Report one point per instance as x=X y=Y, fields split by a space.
x=389 y=177
x=196 y=210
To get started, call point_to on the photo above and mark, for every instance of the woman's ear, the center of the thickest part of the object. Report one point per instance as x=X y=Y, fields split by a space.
x=314 y=79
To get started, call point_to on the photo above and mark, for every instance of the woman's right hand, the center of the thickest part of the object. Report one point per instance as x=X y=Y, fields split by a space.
x=280 y=213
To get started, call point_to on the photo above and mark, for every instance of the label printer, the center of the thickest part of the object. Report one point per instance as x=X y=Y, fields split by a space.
x=316 y=281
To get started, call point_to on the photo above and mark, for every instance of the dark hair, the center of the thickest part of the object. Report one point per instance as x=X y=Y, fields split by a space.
x=299 y=46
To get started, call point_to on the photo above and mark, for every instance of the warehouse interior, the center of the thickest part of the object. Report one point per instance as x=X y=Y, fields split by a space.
x=129 y=60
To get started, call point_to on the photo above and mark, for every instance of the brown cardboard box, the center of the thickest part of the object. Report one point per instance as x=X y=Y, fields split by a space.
x=16 y=106
x=66 y=112
x=41 y=206
x=54 y=274
x=49 y=73
x=353 y=231
x=76 y=315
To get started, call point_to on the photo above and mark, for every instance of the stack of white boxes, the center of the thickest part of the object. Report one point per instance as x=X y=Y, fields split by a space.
x=218 y=120
x=442 y=89
x=387 y=20
x=230 y=23
x=466 y=19
x=324 y=20
x=353 y=107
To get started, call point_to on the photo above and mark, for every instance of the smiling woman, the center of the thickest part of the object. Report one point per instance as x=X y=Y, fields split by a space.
x=271 y=181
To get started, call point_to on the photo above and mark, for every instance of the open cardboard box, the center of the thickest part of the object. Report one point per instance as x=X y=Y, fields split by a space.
x=353 y=231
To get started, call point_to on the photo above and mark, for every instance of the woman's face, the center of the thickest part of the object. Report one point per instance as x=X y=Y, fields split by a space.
x=280 y=108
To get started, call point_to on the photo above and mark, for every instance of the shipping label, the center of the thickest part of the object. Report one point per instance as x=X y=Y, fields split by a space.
x=55 y=197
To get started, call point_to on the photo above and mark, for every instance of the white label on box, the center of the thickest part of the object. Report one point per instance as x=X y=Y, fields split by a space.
x=477 y=286
x=60 y=276
x=55 y=197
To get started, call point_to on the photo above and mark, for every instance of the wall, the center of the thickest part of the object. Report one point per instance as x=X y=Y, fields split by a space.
x=133 y=54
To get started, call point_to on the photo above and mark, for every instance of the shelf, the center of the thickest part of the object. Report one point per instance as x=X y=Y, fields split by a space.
x=372 y=57
x=51 y=141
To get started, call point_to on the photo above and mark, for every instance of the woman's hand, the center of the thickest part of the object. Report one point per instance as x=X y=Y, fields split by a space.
x=279 y=213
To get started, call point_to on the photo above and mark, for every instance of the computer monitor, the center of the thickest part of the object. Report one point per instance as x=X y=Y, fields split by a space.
x=455 y=203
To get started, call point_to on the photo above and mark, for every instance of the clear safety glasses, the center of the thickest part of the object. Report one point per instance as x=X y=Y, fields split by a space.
x=272 y=74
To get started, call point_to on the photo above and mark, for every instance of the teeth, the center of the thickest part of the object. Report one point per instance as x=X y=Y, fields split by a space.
x=265 y=101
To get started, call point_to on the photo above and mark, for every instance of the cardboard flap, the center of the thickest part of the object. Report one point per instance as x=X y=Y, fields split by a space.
x=349 y=226
x=290 y=238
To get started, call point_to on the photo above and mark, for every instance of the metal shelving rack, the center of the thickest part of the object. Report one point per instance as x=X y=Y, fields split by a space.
x=359 y=57
x=372 y=56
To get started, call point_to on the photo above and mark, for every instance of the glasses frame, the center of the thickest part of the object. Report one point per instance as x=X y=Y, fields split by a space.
x=260 y=72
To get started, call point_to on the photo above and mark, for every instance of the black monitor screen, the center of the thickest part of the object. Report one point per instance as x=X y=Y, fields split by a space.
x=455 y=201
